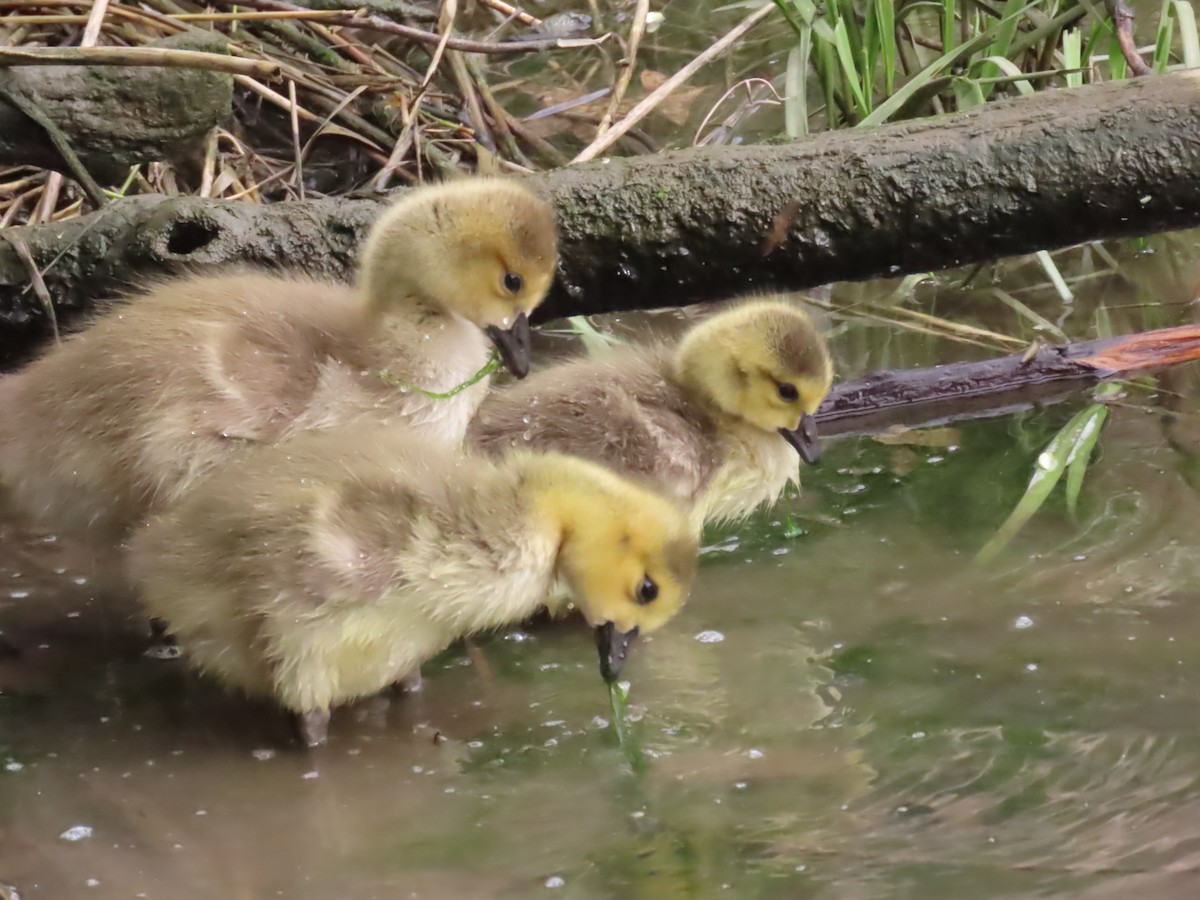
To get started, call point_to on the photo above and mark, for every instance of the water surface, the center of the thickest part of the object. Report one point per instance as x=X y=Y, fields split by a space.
x=848 y=708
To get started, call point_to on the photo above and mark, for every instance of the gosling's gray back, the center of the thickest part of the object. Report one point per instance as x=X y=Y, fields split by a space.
x=618 y=410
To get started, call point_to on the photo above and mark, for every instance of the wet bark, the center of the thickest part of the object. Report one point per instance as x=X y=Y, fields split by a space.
x=1063 y=167
x=114 y=117
x=911 y=398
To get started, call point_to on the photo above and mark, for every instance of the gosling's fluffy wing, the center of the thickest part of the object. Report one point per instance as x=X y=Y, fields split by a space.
x=618 y=410
x=262 y=364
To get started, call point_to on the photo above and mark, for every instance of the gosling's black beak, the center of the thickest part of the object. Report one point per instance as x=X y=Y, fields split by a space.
x=614 y=649
x=513 y=344
x=805 y=439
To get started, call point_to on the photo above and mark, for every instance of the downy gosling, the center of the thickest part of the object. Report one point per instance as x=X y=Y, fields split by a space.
x=332 y=565
x=121 y=418
x=717 y=420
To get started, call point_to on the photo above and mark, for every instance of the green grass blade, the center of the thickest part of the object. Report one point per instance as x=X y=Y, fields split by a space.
x=885 y=22
x=1072 y=51
x=1009 y=69
x=849 y=69
x=1118 y=69
x=1055 y=276
x=597 y=343
x=1188 y=37
x=1049 y=469
x=795 y=90
x=948 y=24
x=1081 y=454
x=967 y=93
x=896 y=102
x=1162 y=43
x=1010 y=15
x=1039 y=322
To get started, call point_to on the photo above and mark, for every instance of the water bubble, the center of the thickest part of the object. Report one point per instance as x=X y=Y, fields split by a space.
x=309 y=776
x=710 y=637
x=1022 y=622
x=263 y=754
x=555 y=881
x=77 y=833
x=754 y=753
x=1031 y=667
x=13 y=766
x=1046 y=460
x=93 y=882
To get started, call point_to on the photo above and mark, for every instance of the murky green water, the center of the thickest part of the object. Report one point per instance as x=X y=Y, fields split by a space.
x=849 y=707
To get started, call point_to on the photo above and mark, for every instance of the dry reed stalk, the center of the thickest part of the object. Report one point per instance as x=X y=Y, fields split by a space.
x=136 y=56
x=643 y=109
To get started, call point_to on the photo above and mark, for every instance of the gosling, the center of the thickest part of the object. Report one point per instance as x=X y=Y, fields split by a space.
x=123 y=417
x=717 y=420
x=330 y=566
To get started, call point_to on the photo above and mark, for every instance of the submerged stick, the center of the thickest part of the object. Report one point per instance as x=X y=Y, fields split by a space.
x=914 y=398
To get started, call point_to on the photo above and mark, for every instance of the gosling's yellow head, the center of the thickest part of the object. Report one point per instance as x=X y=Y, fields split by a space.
x=482 y=248
x=763 y=362
x=627 y=554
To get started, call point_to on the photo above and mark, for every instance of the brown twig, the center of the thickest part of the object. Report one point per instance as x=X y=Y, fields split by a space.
x=636 y=29
x=35 y=278
x=1122 y=19
x=294 y=117
x=136 y=56
x=379 y=23
x=513 y=12
x=643 y=109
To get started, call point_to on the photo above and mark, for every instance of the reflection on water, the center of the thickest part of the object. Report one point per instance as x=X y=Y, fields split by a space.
x=849 y=708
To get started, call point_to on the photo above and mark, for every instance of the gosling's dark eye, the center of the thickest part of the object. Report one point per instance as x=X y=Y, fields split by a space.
x=647 y=591
x=513 y=282
x=787 y=392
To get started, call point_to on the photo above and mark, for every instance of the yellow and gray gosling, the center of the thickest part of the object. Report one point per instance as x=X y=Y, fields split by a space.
x=123 y=417
x=716 y=420
x=332 y=565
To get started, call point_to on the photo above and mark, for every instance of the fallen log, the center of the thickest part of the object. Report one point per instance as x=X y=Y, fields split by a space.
x=1055 y=169
x=115 y=117
x=914 y=398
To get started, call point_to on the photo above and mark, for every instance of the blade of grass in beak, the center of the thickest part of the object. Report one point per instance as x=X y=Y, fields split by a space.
x=618 y=705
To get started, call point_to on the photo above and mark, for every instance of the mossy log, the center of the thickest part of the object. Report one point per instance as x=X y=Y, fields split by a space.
x=115 y=117
x=1059 y=168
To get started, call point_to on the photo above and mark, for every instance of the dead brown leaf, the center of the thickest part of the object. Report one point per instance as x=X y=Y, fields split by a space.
x=677 y=105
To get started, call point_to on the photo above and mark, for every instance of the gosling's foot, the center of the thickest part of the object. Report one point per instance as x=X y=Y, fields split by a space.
x=409 y=684
x=164 y=645
x=159 y=630
x=313 y=727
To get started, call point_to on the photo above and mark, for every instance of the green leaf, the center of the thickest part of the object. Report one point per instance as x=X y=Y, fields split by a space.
x=1049 y=469
x=1072 y=51
x=1055 y=276
x=597 y=343
x=896 y=102
x=795 y=89
x=1015 y=76
x=1081 y=454
x=967 y=94
x=1188 y=36
x=885 y=29
x=850 y=70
